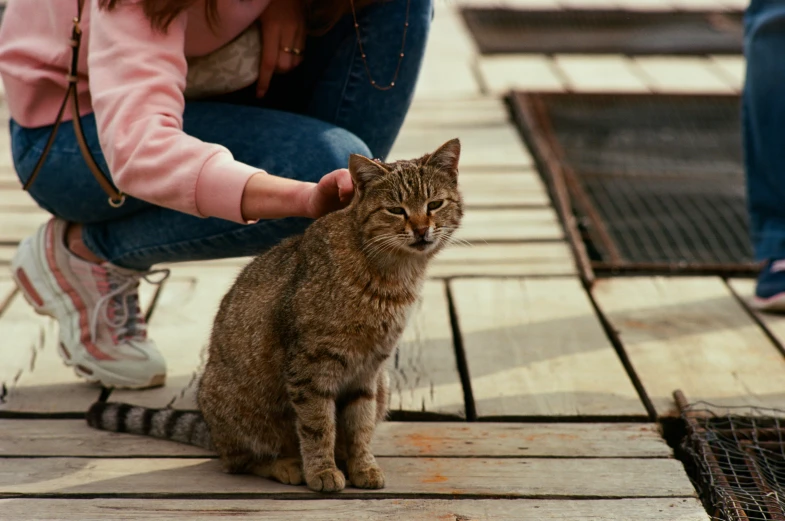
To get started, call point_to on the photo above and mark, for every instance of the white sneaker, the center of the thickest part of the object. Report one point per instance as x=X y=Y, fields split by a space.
x=103 y=335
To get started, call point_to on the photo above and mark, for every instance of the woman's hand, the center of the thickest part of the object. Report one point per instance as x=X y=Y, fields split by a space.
x=271 y=197
x=333 y=192
x=283 y=26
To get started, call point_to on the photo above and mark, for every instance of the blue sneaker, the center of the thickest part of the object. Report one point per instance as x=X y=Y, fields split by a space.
x=770 y=289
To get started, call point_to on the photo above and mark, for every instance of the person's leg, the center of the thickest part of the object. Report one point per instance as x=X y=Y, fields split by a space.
x=281 y=143
x=763 y=118
x=102 y=330
x=333 y=85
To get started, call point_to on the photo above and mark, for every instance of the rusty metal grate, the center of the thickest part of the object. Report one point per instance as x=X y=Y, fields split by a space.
x=499 y=30
x=737 y=459
x=655 y=181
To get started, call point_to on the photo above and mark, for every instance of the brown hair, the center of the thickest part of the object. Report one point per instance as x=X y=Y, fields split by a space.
x=322 y=14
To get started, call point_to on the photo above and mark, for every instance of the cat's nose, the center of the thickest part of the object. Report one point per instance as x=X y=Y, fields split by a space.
x=422 y=232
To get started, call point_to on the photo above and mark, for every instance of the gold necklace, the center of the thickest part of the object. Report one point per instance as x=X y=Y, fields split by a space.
x=364 y=57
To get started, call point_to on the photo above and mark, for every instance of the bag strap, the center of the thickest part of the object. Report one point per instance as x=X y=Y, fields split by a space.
x=116 y=198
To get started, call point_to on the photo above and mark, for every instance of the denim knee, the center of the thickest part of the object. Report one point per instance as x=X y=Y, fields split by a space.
x=330 y=151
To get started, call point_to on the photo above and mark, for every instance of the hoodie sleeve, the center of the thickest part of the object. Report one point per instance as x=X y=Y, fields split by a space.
x=137 y=78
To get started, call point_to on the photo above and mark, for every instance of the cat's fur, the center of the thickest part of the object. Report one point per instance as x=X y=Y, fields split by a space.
x=295 y=380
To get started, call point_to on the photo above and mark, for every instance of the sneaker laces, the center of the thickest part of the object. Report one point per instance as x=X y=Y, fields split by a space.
x=119 y=308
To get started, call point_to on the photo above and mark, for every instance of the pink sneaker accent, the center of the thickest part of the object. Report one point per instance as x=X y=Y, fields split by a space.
x=102 y=331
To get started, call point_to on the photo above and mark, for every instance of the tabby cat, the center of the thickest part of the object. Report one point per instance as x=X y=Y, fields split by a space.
x=295 y=381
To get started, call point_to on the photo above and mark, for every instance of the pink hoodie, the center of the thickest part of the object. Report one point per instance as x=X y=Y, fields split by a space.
x=136 y=78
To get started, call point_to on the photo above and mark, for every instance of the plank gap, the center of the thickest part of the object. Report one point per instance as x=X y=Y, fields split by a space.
x=460 y=357
x=616 y=342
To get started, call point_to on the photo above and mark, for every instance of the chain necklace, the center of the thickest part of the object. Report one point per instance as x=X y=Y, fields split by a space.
x=362 y=50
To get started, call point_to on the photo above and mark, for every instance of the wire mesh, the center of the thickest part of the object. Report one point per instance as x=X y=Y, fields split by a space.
x=737 y=455
x=499 y=30
x=663 y=176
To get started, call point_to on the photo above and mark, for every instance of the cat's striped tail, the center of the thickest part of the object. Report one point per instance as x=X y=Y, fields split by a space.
x=168 y=424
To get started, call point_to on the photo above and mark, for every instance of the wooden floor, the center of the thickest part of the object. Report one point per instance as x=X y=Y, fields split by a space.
x=568 y=385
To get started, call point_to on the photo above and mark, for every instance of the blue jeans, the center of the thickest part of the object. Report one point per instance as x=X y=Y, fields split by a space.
x=307 y=124
x=763 y=122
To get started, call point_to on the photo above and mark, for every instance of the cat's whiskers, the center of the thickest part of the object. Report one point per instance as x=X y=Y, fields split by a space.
x=388 y=244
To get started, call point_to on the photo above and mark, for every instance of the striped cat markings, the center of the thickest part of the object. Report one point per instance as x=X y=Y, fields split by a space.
x=295 y=381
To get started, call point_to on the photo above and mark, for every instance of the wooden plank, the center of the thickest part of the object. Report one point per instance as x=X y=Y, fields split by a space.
x=773 y=322
x=532 y=72
x=600 y=73
x=681 y=75
x=7 y=292
x=493 y=146
x=36 y=379
x=690 y=333
x=405 y=477
x=424 y=373
x=687 y=509
x=6 y=253
x=733 y=68
x=15 y=200
x=497 y=260
x=180 y=327
x=536 y=347
x=47 y=438
x=530 y=224
x=465 y=112
x=19 y=224
x=506 y=189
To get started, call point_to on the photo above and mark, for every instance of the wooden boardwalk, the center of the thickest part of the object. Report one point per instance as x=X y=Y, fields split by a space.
x=548 y=396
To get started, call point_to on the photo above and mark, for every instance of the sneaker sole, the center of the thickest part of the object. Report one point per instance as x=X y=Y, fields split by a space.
x=774 y=303
x=35 y=286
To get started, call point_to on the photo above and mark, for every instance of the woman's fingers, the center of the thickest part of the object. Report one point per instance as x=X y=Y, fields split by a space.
x=288 y=44
x=299 y=43
x=271 y=39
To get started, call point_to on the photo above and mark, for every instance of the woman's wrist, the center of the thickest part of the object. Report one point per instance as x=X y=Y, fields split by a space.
x=271 y=197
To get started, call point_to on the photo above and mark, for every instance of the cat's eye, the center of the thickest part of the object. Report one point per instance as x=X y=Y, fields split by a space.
x=396 y=210
x=435 y=205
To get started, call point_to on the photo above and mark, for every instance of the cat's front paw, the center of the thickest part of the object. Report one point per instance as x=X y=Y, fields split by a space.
x=369 y=477
x=288 y=471
x=330 y=480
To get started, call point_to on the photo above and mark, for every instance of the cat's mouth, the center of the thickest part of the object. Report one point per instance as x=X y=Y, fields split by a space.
x=421 y=245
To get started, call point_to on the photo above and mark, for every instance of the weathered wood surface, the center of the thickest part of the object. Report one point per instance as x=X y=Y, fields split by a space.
x=600 y=73
x=502 y=73
x=492 y=146
x=733 y=68
x=17 y=224
x=773 y=322
x=502 y=260
x=180 y=326
x=405 y=477
x=13 y=199
x=529 y=224
x=536 y=348
x=474 y=112
x=34 y=375
x=47 y=438
x=682 y=74
x=7 y=252
x=664 y=509
x=690 y=333
x=502 y=189
x=424 y=372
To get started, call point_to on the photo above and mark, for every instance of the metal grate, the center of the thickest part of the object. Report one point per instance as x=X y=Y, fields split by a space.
x=657 y=180
x=604 y=31
x=737 y=459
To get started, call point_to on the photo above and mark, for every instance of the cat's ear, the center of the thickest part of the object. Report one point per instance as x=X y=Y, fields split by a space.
x=365 y=170
x=446 y=157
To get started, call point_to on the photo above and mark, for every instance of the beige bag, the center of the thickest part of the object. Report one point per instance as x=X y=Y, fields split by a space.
x=230 y=68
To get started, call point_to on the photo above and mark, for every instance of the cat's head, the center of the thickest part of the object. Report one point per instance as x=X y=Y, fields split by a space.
x=408 y=207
